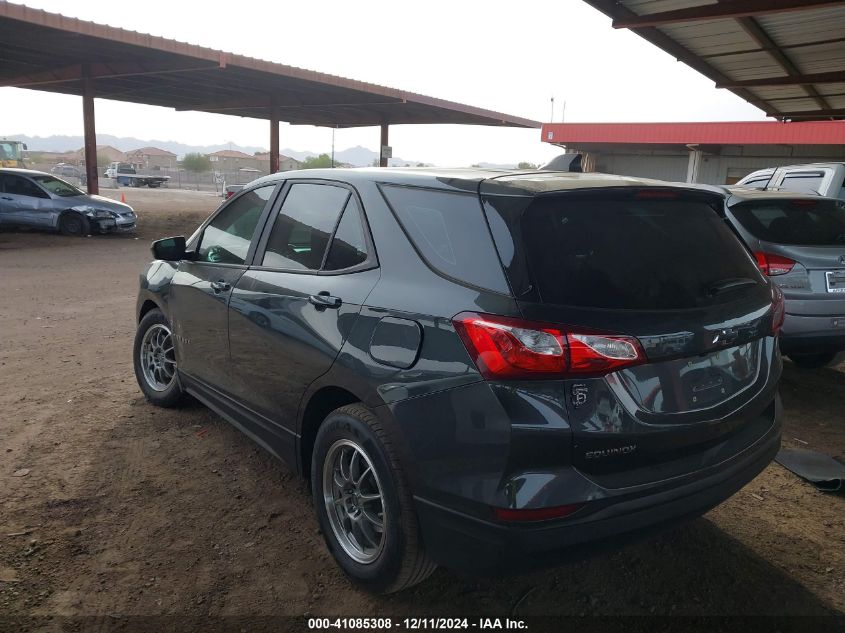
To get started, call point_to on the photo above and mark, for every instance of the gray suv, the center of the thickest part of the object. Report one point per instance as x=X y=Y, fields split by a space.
x=799 y=241
x=474 y=368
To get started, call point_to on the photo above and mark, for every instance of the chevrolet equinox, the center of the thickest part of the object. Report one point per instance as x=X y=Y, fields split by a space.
x=484 y=370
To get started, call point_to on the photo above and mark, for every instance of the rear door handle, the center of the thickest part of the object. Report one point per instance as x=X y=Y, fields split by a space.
x=324 y=300
x=5 y=198
x=220 y=286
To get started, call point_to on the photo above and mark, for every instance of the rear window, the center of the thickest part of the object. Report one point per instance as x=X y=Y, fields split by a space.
x=450 y=233
x=796 y=222
x=627 y=253
x=803 y=181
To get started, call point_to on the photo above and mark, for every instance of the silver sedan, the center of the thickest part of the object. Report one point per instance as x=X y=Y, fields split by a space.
x=38 y=200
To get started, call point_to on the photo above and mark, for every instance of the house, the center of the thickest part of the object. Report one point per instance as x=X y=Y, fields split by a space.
x=151 y=159
x=229 y=160
x=286 y=163
x=103 y=152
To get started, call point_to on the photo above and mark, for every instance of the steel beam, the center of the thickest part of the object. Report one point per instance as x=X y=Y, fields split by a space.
x=91 y=171
x=726 y=10
x=99 y=70
x=789 y=80
x=382 y=161
x=809 y=114
x=761 y=37
x=274 y=139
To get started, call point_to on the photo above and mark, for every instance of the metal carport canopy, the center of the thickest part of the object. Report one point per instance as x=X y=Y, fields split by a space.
x=787 y=57
x=51 y=52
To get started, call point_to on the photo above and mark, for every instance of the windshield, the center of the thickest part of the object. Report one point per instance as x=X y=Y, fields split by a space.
x=57 y=187
x=799 y=222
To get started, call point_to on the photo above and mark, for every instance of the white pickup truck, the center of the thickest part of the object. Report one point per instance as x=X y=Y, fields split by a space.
x=125 y=174
x=824 y=179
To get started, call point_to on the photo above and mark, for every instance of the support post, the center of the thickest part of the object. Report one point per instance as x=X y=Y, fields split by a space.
x=384 y=143
x=694 y=163
x=91 y=171
x=274 y=139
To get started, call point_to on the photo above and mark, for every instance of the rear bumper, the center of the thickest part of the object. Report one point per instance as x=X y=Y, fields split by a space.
x=813 y=334
x=460 y=541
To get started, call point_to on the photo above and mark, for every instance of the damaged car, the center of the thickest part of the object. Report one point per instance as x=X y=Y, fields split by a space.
x=35 y=199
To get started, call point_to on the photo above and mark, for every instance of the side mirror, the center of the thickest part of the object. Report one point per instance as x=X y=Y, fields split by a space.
x=25 y=147
x=170 y=249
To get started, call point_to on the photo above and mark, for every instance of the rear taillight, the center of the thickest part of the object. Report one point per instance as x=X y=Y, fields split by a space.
x=505 y=347
x=229 y=194
x=778 y=309
x=773 y=265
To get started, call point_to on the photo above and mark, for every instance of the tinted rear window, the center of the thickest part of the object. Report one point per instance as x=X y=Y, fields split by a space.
x=625 y=253
x=796 y=222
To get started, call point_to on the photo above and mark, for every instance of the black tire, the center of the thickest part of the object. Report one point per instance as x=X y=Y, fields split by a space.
x=813 y=361
x=402 y=561
x=74 y=225
x=172 y=395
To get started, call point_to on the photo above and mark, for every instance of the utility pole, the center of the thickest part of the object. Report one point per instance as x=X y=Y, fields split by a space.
x=552 y=117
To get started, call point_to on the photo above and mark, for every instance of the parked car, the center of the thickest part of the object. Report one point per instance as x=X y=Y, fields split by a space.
x=799 y=241
x=38 y=200
x=66 y=170
x=824 y=179
x=478 y=369
x=231 y=190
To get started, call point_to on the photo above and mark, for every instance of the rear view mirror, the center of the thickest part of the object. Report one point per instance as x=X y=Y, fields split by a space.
x=170 y=249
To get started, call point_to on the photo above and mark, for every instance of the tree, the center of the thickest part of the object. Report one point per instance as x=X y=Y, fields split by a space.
x=196 y=163
x=524 y=165
x=316 y=162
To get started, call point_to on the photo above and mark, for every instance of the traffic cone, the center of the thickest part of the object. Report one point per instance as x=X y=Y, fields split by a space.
x=123 y=197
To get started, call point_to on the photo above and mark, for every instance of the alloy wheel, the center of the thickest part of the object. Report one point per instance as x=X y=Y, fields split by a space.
x=158 y=357
x=354 y=501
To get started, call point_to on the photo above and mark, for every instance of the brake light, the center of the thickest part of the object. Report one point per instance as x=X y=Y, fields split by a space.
x=229 y=194
x=505 y=347
x=773 y=265
x=647 y=193
x=778 y=310
x=536 y=514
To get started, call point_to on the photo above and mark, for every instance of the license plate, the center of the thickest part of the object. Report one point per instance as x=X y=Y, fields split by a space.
x=835 y=281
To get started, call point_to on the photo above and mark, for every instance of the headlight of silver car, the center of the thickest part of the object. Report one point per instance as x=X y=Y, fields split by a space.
x=101 y=213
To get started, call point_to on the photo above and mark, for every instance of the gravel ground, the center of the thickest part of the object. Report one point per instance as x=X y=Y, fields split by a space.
x=130 y=510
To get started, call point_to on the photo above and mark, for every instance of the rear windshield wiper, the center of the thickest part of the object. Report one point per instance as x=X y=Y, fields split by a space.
x=732 y=283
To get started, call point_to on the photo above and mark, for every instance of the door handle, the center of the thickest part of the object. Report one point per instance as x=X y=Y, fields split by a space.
x=324 y=300
x=220 y=286
x=5 y=198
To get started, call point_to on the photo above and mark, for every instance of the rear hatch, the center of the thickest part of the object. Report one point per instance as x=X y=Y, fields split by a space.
x=802 y=247
x=663 y=266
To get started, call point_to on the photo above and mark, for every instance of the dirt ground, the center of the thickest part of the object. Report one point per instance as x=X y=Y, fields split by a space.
x=131 y=510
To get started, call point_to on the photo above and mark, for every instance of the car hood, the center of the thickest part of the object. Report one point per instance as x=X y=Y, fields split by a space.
x=100 y=202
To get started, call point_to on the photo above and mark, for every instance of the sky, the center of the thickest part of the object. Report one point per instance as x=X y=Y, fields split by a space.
x=504 y=56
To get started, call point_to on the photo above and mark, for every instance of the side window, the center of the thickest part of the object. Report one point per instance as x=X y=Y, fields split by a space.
x=450 y=232
x=23 y=187
x=757 y=183
x=304 y=226
x=803 y=181
x=348 y=247
x=227 y=237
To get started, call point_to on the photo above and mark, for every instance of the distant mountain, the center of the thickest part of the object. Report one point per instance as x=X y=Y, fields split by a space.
x=356 y=156
x=123 y=143
x=496 y=165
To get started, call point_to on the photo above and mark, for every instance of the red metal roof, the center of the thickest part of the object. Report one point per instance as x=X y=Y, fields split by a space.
x=711 y=133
